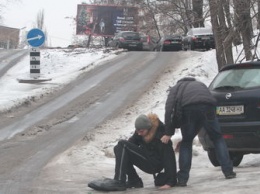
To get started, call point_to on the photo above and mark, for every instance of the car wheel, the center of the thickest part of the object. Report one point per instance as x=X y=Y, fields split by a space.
x=184 y=48
x=213 y=158
x=191 y=46
x=207 y=47
x=236 y=158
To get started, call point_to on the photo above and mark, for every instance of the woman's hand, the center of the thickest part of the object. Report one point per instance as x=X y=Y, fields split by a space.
x=165 y=187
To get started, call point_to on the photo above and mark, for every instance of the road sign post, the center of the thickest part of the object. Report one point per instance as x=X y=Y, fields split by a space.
x=35 y=38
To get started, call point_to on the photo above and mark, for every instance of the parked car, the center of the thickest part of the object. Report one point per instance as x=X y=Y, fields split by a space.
x=170 y=43
x=127 y=40
x=199 y=38
x=237 y=90
x=149 y=42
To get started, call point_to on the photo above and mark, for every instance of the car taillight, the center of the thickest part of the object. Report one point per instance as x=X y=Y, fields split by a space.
x=228 y=136
x=194 y=38
x=167 y=42
x=121 y=39
x=148 y=39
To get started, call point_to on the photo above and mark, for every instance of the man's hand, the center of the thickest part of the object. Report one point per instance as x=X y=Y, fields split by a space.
x=165 y=139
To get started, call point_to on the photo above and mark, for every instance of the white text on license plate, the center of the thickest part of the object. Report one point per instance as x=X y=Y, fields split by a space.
x=230 y=110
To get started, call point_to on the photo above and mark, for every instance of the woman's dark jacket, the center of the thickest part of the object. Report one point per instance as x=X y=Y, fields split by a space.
x=156 y=150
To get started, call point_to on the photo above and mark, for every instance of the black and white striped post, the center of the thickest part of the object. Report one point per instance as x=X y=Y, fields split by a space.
x=35 y=38
x=35 y=57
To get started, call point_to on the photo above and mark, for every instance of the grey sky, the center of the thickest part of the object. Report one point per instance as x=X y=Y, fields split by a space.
x=60 y=29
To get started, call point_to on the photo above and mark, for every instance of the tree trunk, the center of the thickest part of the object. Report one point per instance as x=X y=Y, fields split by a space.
x=223 y=36
x=226 y=34
x=213 y=5
x=237 y=38
x=154 y=19
x=197 y=6
x=188 y=14
x=258 y=15
x=242 y=10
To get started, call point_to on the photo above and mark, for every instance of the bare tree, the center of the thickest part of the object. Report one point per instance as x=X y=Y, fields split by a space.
x=148 y=23
x=242 y=11
x=40 y=24
x=198 y=13
x=223 y=35
x=4 y=4
x=258 y=15
x=181 y=15
x=175 y=16
x=40 y=19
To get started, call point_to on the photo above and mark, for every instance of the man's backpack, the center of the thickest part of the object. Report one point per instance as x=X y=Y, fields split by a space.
x=176 y=116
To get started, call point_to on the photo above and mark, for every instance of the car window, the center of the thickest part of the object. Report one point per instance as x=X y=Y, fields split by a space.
x=200 y=31
x=240 y=78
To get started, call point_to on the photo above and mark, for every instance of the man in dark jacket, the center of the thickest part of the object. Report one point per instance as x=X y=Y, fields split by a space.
x=198 y=110
x=145 y=150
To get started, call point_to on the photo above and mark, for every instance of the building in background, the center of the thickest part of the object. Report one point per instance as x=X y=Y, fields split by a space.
x=9 y=37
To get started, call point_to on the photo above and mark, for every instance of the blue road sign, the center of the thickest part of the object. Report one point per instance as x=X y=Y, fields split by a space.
x=35 y=37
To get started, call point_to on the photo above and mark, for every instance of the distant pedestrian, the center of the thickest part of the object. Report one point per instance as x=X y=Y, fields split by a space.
x=145 y=150
x=102 y=26
x=198 y=110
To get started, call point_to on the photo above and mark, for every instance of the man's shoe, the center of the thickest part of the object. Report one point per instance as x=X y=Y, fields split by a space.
x=230 y=175
x=136 y=183
x=181 y=184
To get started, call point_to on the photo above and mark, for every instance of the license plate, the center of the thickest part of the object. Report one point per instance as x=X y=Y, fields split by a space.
x=230 y=110
x=175 y=42
x=204 y=38
x=132 y=44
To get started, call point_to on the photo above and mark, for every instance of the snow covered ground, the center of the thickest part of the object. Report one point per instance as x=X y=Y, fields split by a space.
x=93 y=157
x=59 y=65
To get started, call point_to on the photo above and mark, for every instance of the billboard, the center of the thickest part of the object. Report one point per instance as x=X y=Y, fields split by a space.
x=105 y=20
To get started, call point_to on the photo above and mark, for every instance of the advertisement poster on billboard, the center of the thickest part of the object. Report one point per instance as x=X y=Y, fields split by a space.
x=100 y=20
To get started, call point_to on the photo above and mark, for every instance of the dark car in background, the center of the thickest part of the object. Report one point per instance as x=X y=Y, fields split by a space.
x=149 y=42
x=237 y=91
x=170 y=43
x=127 y=40
x=199 y=38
